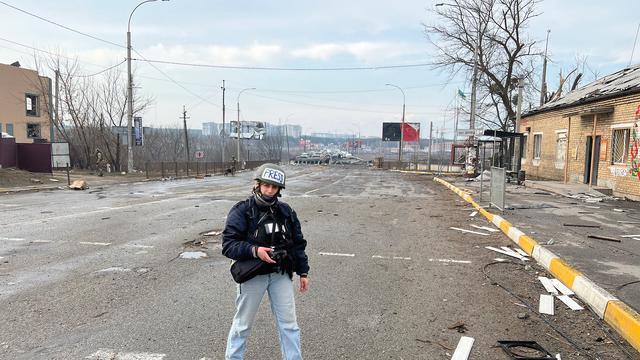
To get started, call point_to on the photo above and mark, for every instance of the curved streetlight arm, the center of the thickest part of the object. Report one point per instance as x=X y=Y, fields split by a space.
x=399 y=88
x=134 y=10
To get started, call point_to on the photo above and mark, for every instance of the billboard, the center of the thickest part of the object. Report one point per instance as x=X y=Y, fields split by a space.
x=254 y=130
x=391 y=131
x=137 y=131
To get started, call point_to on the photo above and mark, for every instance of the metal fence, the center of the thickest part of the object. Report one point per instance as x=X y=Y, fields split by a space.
x=179 y=169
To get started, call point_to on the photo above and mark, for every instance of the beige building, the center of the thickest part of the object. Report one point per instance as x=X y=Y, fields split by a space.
x=25 y=103
x=588 y=136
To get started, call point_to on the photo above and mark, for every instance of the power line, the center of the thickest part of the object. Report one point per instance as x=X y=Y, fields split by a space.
x=173 y=81
x=336 y=107
x=62 y=26
x=283 y=68
x=63 y=56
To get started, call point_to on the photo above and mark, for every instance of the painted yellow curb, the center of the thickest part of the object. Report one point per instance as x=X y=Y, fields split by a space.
x=625 y=320
x=620 y=316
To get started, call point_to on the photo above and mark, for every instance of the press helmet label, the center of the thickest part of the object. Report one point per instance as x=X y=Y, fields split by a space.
x=273 y=174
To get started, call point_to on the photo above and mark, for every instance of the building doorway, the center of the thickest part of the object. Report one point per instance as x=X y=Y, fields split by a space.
x=587 y=160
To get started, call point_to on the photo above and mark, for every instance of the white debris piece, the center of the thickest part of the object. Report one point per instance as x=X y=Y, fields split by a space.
x=469 y=231
x=193 y=255
x=508 y=253
x=213 y=233
x=488 y=228
x=546 y=304
x=570 y=302
x=463 y=349
x=473 y=214
x=521 y=252
x=560 y=286
x=548 y=285
x=114 y=355
x=629 y=236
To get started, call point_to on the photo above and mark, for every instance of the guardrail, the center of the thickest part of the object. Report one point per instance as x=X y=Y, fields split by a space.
x=182 y=169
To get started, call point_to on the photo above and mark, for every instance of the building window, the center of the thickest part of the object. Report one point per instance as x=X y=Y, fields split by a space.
x=620 y=146
x=33 y=130
x=10 y=129
x=561 y=149
x=537 y=146
x=31 y=102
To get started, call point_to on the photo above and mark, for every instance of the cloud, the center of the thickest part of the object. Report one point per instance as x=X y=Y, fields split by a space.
x=368 y=52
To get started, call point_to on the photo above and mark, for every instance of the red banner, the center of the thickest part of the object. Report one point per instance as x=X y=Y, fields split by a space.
x=411 y=132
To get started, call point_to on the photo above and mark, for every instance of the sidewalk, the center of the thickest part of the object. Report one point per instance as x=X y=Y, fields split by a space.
x=561 y=218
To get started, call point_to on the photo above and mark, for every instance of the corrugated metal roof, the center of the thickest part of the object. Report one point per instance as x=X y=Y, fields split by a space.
x=619 y=83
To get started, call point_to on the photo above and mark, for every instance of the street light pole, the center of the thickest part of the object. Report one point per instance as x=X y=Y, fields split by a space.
x=130 y=89
x=239 y=125
x=402 y=125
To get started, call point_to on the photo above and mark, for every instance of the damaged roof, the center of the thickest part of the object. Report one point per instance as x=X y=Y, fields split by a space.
x=620 y=83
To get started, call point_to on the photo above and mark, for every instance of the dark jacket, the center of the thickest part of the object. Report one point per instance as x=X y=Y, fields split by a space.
x=242 y=221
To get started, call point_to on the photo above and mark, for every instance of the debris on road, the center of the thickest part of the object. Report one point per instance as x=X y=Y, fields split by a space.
x=459 y=326
x=463 y=349
x=212 y=233
x=523 y=316
x=548 y=285
x=488 y=228
x=469 y=231
x=473 y=214
x=193 y=255
x=525 y=350
x=583 y=225
x=561 y=287
x=570 y=302
x=79 y=185
x=507 y=251
x=546 y=304
x=606 y=238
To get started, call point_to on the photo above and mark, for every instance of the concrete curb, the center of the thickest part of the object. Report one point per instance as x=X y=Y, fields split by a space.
x=614 y=312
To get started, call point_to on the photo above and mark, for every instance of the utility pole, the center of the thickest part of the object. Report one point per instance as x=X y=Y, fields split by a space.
x=286 y=132
x=186 y=135
x=517 y=127
x=430 y=143
x=543 y=88
x=223 y=118
x=57 y=108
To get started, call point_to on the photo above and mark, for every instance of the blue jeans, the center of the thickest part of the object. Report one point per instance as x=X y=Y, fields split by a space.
x=249 y=295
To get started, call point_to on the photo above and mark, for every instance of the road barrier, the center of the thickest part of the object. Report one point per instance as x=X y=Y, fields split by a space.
x=614 y=312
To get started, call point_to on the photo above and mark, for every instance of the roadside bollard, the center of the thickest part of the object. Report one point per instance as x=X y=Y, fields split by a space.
x=162 y=168
x=68 y=178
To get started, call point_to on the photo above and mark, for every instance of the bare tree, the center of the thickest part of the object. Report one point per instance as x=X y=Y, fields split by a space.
x=489 y=34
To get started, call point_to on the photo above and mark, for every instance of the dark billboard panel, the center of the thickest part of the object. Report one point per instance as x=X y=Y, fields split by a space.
x=390 y=131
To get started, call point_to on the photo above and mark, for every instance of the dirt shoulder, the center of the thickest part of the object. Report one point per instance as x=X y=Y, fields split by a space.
x=12 y=179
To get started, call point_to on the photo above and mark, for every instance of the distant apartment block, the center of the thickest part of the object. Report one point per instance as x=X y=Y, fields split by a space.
x=25 y=103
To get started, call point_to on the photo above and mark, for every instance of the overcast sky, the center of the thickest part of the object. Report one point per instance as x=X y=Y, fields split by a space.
x=297 y=34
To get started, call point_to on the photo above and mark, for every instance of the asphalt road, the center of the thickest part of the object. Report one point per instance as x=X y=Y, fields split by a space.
x=96 y=274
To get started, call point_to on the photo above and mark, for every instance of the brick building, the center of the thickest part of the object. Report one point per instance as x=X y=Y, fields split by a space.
x=559 y=135
x=25 y=100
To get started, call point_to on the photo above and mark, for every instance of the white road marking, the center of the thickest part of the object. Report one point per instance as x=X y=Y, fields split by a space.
x=140 y=246
x=451 y=261
x=104 y=354
x=43 y=241
x=629 y=236
x=94 y=243
x=390 y=257
x=336 y=254
x=11 y=239
x=114 y=269
x=469 y=231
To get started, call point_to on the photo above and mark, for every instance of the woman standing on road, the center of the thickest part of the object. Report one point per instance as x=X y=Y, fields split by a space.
x=264 y=238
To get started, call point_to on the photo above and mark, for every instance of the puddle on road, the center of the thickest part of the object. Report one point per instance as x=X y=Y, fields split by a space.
x=193 y=255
